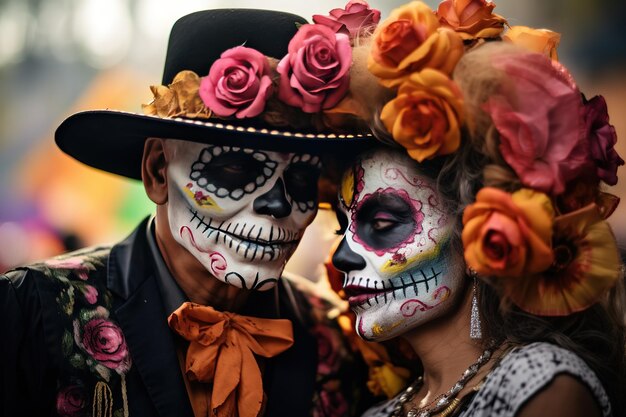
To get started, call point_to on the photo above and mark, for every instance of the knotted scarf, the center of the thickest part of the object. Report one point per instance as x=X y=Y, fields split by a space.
x=221 y=352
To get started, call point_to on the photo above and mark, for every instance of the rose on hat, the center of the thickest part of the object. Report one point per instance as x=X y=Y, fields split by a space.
x=221 y=85
x=239 y=83
x=315 y=73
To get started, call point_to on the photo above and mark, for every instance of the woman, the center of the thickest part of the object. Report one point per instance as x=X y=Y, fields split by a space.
x=484 y=244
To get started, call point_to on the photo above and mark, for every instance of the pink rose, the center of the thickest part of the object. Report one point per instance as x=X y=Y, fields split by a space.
x=74 y=263
x=105 y=342
x=91 y=294
x=602 y=139
x=314 y=75
x=328 y=347
x=332 y=404
x=71 y=401
x=356 y=19
x=537 y=116
x=238 y=83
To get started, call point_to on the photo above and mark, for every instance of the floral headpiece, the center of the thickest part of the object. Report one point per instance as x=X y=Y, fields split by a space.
x=540 y=234
x=537 y=229
x=301 y=90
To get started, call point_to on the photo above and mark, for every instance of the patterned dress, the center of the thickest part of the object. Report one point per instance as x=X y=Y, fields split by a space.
x=521 y=374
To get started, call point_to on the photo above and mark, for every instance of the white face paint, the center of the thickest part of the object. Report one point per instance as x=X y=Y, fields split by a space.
x=240 y=212
x=400 y=269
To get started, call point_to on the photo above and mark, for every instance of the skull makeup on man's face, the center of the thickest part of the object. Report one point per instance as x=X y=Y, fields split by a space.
x=400 y=269
x=241 y=212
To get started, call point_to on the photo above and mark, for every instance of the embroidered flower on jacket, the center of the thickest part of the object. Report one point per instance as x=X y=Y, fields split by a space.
x=76 y=264
x=331 y=404
x=91 y=293
x=72 y=401
x=329 y=349
x=104 y=341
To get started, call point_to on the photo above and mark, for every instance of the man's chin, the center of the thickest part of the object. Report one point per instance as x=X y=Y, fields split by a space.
x=259 y=280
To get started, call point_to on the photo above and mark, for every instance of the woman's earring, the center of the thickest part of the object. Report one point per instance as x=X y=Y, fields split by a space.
x=476 y=331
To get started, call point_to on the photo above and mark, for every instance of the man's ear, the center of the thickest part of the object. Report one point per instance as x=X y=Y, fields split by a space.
x=154 y=170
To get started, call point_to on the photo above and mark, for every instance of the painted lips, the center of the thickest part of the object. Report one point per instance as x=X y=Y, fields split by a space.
x=357 y=296
x=251 y=246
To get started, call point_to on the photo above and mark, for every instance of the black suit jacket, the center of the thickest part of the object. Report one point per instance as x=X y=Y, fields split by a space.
x=40 y=352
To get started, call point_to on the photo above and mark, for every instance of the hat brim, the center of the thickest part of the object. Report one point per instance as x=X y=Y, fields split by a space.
x=113 y=141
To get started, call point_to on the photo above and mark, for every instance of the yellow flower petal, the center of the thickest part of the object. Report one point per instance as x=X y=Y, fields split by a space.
x=574 y=284
x=543 y=41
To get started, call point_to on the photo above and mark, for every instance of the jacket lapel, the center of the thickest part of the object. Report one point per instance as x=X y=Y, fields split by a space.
x=290 y=380
x=140 y=313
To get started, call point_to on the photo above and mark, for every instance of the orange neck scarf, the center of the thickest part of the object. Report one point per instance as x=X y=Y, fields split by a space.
x=221 y=351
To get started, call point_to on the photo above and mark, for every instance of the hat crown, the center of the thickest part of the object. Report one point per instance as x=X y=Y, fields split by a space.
x=198 y=39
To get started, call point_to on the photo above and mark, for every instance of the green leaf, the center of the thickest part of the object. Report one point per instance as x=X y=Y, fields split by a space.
x=67 y=343
x=77 y=361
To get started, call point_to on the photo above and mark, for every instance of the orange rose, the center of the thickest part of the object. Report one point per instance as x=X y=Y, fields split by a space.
x=409 y=40
x=543 y=41
x=426 y=115
x=508 y=235
x=471 y=18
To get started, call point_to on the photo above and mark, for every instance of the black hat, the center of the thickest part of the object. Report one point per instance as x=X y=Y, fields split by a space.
x=113 y=140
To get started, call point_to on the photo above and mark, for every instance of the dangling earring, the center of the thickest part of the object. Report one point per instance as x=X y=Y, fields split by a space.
x=476 y=331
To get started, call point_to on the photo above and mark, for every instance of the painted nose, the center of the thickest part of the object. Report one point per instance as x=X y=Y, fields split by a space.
x=274 y=202
x=347 y=260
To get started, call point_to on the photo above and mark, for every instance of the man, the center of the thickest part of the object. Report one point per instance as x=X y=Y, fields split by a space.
x=187 y=316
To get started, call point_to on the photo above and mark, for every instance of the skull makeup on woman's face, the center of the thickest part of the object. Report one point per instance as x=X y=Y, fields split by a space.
x=241 y=212
x=400 y=269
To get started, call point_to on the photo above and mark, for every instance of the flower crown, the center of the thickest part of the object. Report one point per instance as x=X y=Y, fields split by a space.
x=539 y=235
x=538 y=232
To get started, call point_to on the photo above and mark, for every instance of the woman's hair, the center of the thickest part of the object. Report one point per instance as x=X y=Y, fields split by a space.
x=598 y=334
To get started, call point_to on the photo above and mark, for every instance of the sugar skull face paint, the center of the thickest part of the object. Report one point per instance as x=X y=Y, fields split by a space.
x=400 y=271
x=241 y=212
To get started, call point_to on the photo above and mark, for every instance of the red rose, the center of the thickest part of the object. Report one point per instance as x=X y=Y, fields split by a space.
x=602 y=138
x=328 y=347
x=71 y=401
x=332 y=404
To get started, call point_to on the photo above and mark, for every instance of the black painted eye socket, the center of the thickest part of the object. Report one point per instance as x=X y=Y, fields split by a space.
x=301 y=182
x=385 y=220
x=231 y=172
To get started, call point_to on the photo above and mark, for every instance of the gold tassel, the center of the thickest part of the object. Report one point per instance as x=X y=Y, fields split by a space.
x=102 y=401
x=124 y=395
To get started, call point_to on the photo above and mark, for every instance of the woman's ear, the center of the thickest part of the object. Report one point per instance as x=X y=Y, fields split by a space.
x=154 y=170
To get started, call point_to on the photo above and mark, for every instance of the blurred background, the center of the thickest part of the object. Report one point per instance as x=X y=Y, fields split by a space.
x=61 y=56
